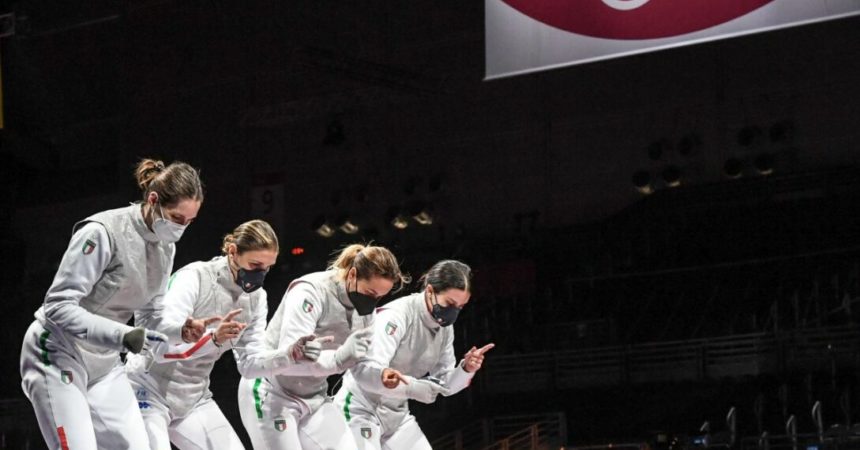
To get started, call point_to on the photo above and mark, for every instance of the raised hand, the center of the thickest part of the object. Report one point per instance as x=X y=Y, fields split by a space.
x=193 y=329
x=475 y=358
x=228 y=328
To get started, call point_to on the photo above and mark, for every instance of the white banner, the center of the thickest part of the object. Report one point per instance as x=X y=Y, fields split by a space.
x=530 y=35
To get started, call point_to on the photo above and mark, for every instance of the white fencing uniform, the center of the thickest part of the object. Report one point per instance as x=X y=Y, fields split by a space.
x=405 y=338
x=174 y=397
x=70 y=364
x=292 y=410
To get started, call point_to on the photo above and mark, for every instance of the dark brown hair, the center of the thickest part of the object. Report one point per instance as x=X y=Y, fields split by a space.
x=172 y=183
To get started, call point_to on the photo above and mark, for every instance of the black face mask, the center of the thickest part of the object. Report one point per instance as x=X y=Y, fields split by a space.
x=250 y=280
x=364 y=304
x=445 y=316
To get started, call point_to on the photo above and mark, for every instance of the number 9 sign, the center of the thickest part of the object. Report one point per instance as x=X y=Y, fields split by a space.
x=267 y=203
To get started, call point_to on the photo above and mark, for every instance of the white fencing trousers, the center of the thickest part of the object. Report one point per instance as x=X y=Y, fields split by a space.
x=203 y=428
x=367 y=429
x=275 y=421
x=61 y=392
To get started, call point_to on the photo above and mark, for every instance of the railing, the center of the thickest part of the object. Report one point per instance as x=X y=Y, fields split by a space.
x=551 y=427
x=526 y=439
x=534 y=437
x=473 y=435
x=749 y=354
x=613 y=446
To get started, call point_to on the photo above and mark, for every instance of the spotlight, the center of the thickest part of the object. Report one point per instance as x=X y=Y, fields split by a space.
x=345 y=224
x=400 y=222
x=672 y=176
x=764 y=163
x=397 y=218
x=422 y=213
x=322 y=226
x=642 y=182
x=733 y=168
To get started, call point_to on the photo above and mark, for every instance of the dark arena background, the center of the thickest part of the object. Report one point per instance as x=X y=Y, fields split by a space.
x=666 y=246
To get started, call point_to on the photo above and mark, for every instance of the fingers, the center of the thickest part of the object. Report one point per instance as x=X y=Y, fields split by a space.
x=471 y=350
x=392 y=378
x=230 y=315
x=486 y=348
x=402 y=378
x=208 y=321
x=324 y=339
x=364 y=333
x=229 y=330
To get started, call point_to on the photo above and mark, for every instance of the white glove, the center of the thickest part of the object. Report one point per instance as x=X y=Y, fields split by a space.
x=308 y=347
x=353 y=349
x=424 y=390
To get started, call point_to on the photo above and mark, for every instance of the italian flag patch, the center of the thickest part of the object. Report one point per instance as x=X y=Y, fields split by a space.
x=307 y=306
x=390 y=328
x=88 y=247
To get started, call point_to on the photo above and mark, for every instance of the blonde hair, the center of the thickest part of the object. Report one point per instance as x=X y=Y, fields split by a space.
x=369 y=261
x=252 y=235
x=172 y=183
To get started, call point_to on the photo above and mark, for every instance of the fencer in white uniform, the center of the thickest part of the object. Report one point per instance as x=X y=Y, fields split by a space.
x=116 y=263
x=174 y=396
x=292 y=410
x=411 y=357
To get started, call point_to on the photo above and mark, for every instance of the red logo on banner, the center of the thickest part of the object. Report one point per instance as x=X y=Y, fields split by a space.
x=634 y=19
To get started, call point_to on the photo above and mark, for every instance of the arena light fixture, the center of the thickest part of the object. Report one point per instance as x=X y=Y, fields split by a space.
x=323 y=227
x=672 y=176
x=733 y=168
x=764 y=163
x=642 y=182
x=345 y=224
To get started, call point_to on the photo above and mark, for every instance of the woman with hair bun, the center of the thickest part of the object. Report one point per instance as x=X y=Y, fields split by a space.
x=291 y=410
x=173 y=395
x=411 y=357
x=116 y=263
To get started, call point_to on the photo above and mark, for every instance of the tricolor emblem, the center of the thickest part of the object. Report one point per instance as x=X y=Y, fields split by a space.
x=366 y=433
x=390 y=328
x=280 y=424
x=307 y=306
x=66 y=376
x=88 y=247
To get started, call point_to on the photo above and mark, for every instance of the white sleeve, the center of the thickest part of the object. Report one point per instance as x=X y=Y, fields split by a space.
x=177 y=304
x=252 y=358
x=302 y=310
x=389 y=329
x=171 y=310
x=83 y=264
x=455 y=377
